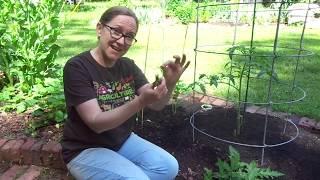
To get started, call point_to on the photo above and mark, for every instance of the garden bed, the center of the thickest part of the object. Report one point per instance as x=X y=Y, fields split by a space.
x=172 y=131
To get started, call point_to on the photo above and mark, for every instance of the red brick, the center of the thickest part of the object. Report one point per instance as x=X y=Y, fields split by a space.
x=15 y=152
x=29 y=142
x=13 y=172
x=2 y=142
x=307 y=122
x=11 y=150
x=317 y=126
x=52 y=147
x=35 y=153
x=197 y=98
x=59 y=163
x=7 y=145
x=31 y=173
x=205 y=100
x=211 y=99
x=219 y=102
x=26 y=151
x=51 y=155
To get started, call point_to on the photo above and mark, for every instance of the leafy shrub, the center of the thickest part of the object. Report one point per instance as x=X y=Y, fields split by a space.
x=186 y=11
x=28 y=33
x=46 y=101
x=235 y=169
x=29 y=76
x=50 y=108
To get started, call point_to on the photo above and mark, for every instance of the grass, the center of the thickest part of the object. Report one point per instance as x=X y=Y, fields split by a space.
x=167 y=39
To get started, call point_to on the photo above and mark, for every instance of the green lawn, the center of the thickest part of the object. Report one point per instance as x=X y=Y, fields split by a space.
x=167 y=39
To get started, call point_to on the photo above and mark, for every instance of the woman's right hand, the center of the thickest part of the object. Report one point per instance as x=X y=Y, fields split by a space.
x=149 y=94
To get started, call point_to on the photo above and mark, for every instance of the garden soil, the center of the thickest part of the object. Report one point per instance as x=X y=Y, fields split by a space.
x=298 y=160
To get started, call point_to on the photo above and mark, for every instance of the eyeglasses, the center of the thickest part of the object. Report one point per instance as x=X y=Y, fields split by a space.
x=115 y=34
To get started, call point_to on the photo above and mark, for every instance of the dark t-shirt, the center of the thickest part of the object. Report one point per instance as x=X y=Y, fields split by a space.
x=85 y=79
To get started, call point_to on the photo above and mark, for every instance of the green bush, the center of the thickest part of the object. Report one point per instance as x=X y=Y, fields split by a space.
x=186 y=11
x=28 y=32
x=29 y=75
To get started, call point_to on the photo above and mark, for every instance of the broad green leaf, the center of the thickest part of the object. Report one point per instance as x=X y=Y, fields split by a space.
x=59 y=116
x=21 y=107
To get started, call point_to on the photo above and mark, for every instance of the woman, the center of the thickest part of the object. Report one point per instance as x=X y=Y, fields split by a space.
x=103 y=92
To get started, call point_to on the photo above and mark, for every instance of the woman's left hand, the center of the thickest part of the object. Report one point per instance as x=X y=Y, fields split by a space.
x=172 y=71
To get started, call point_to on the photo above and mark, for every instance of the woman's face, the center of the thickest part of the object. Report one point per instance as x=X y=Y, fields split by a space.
x=116 y=36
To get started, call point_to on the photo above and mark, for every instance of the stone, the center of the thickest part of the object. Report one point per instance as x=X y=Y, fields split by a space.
x=252 y=109
x=262 y=111
x=307 y=122
x=280 y=115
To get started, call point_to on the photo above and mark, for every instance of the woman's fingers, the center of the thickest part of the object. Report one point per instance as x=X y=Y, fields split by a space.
x=180 y=61
x=186 y=66
x=177 y=59
x=183 y=59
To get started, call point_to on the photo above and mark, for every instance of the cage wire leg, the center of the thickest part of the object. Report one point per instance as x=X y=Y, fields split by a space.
x=163 y=38
x=269 y=95
x=145 y=69
x=195 y=68
x=236 y=20
x=185 y=39
x=293 y=86
x=147 y=49
x=250 y=59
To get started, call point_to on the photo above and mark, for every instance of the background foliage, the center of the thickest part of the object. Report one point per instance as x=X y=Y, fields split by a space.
x=28 y=50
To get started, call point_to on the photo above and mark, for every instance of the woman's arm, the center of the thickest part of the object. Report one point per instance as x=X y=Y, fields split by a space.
x=100 y=121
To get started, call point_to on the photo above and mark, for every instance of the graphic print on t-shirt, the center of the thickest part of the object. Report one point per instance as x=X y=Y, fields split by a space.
x=114 y=94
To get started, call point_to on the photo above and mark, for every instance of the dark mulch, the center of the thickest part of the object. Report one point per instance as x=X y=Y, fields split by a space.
x=298 y=160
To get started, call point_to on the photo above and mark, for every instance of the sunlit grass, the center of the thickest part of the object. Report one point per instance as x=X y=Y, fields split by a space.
x=167 y=39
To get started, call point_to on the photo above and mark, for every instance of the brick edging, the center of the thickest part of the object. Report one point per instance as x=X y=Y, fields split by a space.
x=303 y=122
x=29 y=151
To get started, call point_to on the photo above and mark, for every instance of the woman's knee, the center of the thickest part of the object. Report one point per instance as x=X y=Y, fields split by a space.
x=173 y=168
x=109 y=165
x=84 y=172
x=165 y=169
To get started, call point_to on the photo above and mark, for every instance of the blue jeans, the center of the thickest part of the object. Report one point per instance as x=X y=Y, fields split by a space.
x=137 y=159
